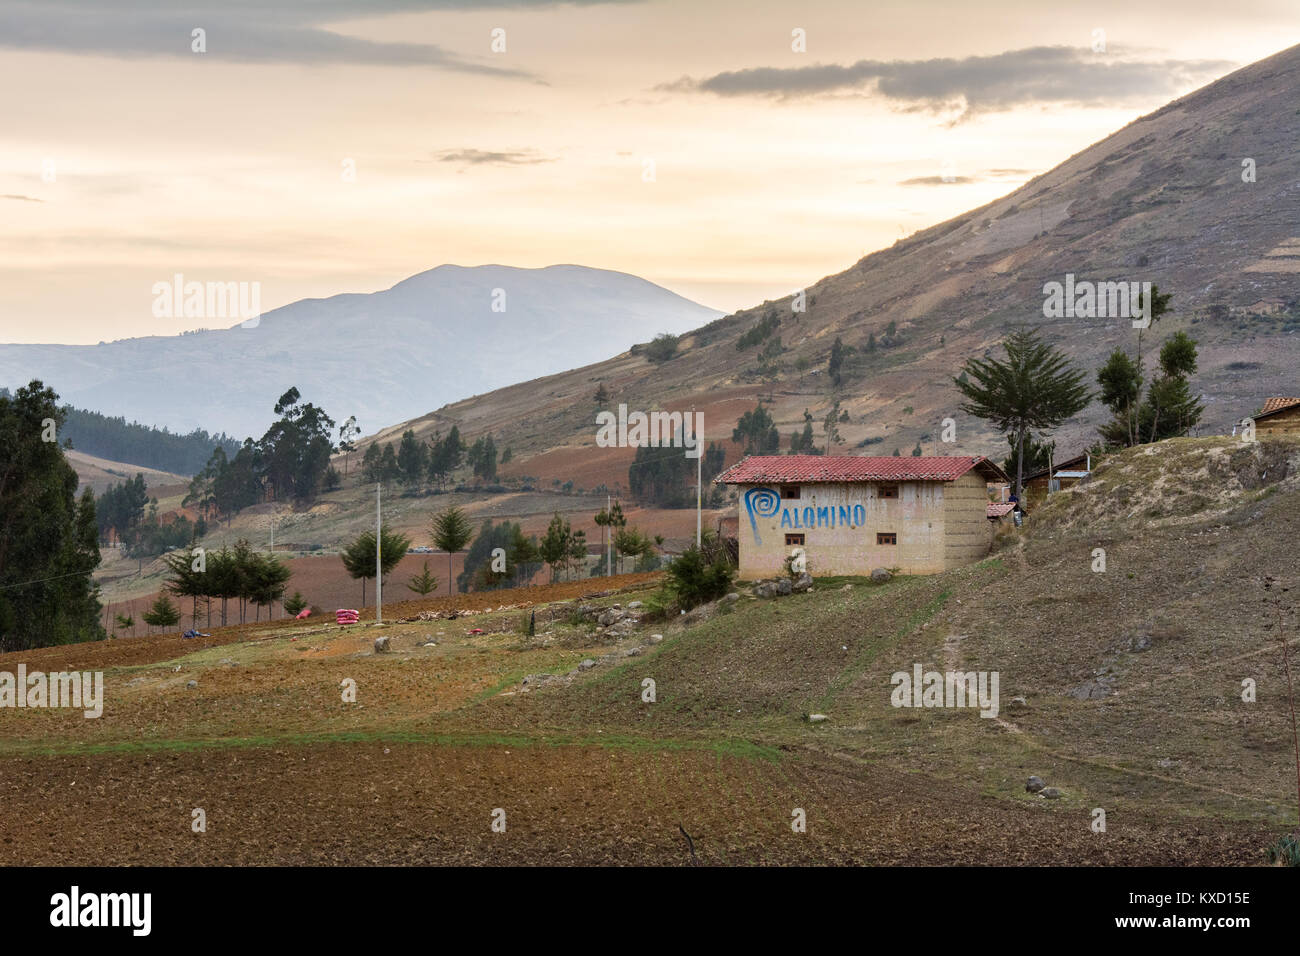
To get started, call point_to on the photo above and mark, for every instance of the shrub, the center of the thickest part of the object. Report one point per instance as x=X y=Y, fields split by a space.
x=695 y=580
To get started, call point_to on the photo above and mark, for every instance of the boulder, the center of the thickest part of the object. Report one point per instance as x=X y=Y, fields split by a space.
x=1034 y=785
x=733 y=597
x=611 y=616
x=802 y=583
x=587 y=665
x=381 y=645
x=880 y=576
x=817 y=718
x=633 y=605
x=192 y=684
x=1051 y=793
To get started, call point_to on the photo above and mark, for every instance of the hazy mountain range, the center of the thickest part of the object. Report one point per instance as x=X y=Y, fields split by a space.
x=384 y=356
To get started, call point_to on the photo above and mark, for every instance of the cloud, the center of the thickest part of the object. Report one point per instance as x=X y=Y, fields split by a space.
x=971 y=84
x=955 y=180
x=939 y=181
x=254 y=31
x=21 y=198
x=483 y=157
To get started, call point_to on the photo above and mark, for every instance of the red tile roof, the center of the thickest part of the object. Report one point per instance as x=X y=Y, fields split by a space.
x=996 y=509
x=1277 y=404
x=808 y=469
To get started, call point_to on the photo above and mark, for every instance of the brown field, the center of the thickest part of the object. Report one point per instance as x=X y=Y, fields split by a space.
x=1132 y=685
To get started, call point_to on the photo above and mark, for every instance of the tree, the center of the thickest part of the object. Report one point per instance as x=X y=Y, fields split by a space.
x=694 y=579
x=423 y=584
x=162 y=613
x=348 y=433
x=48 y=536
x=561 y=546
x=1170 y=406
x=296 y=449
x=268 y=578
x=602 y=395
x=1038 y=455
x=411 y=458
x=1033 y=388
x=835 y=367
x=757 y=432
x=123 y=621
x=359 y=556
x=662 y=348
x=295 y=605
x=1121 y=388
x=830 y=426
x=451 y=532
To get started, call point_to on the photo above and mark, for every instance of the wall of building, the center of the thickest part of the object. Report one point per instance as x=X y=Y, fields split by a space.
x=840 y=523
x=967 y=531
x=1285 y=422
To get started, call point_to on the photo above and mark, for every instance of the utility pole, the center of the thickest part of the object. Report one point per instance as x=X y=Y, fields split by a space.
x=699 y=485
x=379 y=562
x=609 y=549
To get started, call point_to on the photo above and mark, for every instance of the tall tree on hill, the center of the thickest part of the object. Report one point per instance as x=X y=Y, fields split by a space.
x=296 y=448
x=561 y=546
x=1034 y=388
x=411 y=458
x=48 y=537
x=1170 y=405
x=451 y=532
x=348 y=433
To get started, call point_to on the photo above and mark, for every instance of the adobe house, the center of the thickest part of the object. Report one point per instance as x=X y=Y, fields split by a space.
x=1063 y=473
x=852 y=514
x=1279 y=416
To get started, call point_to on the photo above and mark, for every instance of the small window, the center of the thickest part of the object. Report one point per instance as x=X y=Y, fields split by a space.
x=886 y=537
x=789 y=491
x=888 y=491
x=793 y=539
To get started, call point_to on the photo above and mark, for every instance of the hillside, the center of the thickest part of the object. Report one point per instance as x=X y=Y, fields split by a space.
x=1161 y=200
x=382 y=356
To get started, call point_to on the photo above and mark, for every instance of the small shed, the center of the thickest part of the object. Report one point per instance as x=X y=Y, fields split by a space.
x=1279 y=416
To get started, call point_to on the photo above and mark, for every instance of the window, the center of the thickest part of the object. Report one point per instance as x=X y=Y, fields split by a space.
x=887 y=491
x=886 y=537
x=793 y=539
x=789 y=491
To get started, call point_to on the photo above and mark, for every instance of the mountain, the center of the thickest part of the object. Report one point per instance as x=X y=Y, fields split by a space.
x=1163 y=200
x=383 y=356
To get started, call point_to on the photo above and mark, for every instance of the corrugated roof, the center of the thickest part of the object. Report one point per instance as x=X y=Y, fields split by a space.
x=1277 y=404
x=809 y=469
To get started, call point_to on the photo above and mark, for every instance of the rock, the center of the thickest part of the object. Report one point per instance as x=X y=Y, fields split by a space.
x=587 y=665
x=1017 y=703
x=632 y=652
x=611 y=616
x=381 y=645
x=847 y=587
x=1090 y=690
x=1140 y=643
x=803 y=582
x=1051 y=793
x=656 y=638
x=817 y=718
x=192 y=684
x=733 y=597
x=633 y=605
x=880 y=576
x=1034 y=785
x=784 y=586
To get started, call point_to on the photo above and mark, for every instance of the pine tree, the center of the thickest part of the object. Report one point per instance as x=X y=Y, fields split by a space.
x=1033 y=388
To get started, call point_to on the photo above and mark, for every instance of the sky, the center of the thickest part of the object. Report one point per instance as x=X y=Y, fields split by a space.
x=730 y=151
